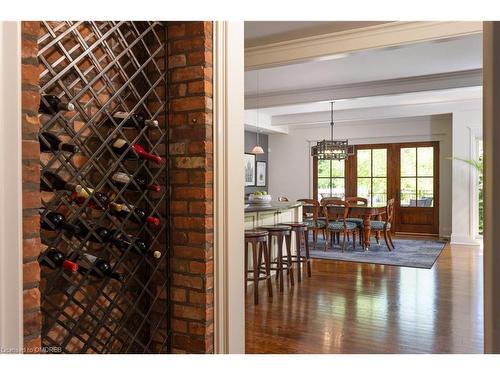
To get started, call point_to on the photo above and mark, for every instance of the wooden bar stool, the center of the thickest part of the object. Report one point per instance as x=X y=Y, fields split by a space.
x=301 y=231
x=258 y=239
x=282 y=233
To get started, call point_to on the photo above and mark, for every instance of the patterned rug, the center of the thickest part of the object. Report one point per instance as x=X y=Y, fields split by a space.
x=408 y=253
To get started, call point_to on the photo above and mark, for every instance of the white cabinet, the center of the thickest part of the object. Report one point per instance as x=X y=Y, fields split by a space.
x=272 y=217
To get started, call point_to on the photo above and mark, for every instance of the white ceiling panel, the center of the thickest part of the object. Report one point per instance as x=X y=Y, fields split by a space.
x=418 y=59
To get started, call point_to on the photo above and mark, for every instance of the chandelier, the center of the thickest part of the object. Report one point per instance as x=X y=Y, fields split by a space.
x=331 y=149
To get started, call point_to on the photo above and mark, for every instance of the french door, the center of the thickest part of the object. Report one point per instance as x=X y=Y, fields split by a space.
x=417 y=188
x=407 y=172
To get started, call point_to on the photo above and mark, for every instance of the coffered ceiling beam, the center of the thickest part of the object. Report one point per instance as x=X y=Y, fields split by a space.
x=343 y=117
x=444 y=81
x=255 y=121
x=329 y=46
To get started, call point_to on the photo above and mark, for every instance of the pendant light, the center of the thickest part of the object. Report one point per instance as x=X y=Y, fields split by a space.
x=331 y=149
x=257 y=149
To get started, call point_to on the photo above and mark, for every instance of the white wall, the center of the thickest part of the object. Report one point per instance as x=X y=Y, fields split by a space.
x=467 y=127
x=290 y=164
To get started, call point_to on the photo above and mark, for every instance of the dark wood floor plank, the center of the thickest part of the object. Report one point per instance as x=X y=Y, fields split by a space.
x=363 y=308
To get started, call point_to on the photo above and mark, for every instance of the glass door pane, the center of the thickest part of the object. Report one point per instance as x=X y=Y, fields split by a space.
x=408 y=194
x=331 y=175
x=417 y=177
x=372 y=175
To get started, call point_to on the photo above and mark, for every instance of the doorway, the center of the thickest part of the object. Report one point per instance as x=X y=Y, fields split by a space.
x=407 y=171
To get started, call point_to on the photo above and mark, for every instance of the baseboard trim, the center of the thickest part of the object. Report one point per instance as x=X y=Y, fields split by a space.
x=460 y=239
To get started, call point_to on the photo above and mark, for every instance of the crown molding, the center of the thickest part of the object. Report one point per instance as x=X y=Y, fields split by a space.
x=442 y=81
x=328 y=46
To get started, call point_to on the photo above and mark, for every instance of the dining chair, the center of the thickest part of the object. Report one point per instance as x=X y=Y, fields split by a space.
x=385 y=226
x=310 y=215
x=324 y=200
x=360 y=201
x=336 y=212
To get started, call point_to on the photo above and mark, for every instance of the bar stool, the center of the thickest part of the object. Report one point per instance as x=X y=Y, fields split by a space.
x=301 y=231
x=281 y=233
x=258 y=239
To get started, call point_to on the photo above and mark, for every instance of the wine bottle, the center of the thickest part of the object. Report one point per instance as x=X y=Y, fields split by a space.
x=51 y=104
x=138 y=245
x=53 y=258
x=126 y=119
x=121 y=147
x=50 y=142
x=55 y=221
x=95 y=266
x=122 y=179
x=98 y=234
x=51 y=181
x=100 y=200
x=138 y=216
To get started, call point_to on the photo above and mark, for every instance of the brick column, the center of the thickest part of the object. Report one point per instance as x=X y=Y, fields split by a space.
x=31 y=186
x=191 y=179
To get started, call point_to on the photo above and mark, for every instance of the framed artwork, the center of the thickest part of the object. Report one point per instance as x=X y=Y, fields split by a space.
x=249 y=170
x=261 y=173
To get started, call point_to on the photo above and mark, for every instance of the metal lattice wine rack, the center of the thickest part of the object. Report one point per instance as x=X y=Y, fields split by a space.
x=102 y=68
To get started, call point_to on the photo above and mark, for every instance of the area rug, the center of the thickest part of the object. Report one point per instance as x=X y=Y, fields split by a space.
x=408 y=253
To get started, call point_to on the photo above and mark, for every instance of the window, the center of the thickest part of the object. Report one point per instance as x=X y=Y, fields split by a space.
x=372 y=175
x=417 y=177
x=331 y=178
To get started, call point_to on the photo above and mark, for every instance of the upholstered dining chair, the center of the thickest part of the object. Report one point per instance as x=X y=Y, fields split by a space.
x=360 y=201
x=310 y=215
x=385 y=226
x=324 y=200
x=336 y=211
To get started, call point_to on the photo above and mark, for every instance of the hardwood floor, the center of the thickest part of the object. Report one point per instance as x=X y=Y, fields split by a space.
x=363 y=308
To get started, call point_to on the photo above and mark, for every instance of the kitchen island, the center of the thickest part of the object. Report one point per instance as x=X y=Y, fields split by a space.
x=272 y=213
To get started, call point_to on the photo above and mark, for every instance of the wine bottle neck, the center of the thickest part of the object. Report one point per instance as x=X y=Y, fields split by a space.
x=151 y=123
x=68 y=148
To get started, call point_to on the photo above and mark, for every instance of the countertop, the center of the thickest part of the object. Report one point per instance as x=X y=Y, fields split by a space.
x=272 y=206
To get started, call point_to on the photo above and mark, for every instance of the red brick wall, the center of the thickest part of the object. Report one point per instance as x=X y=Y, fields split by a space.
x=191 y=179
x=31 y=186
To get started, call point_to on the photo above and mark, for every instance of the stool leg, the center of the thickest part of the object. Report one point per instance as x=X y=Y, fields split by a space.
x=259 y=257
x=279 y=271
x=267 y=262
x=289 y=258
x=255 y=273
x=298 y=245
x=308 y=259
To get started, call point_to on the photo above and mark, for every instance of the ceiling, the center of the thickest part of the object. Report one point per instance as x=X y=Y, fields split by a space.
x=265 y=32
x=381 y=64
x=428 y=61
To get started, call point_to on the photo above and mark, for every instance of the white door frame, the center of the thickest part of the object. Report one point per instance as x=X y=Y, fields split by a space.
x=491 y=152
x=11 y=258
x=229 y=187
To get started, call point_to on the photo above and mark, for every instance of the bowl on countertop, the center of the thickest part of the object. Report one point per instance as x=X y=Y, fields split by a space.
x=259 y=199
